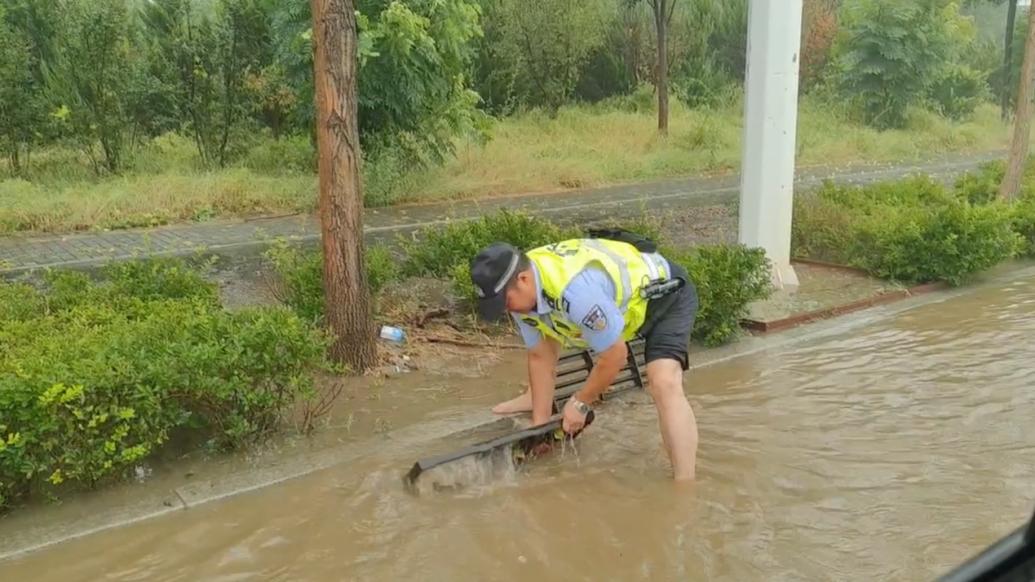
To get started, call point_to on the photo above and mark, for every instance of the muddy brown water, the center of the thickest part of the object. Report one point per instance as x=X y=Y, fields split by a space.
x=891 y=452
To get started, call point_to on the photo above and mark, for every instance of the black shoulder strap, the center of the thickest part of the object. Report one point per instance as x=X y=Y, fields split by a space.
x=642 y=243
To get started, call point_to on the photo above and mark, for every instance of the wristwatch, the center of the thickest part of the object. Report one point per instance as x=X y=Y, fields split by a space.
x=580 y=406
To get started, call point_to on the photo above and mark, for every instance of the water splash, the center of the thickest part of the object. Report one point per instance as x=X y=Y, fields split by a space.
x=499 y=467
x=479 y=471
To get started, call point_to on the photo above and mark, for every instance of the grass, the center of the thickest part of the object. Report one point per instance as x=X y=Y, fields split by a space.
x=59 y=191
x=596 y=146
x=583 y=146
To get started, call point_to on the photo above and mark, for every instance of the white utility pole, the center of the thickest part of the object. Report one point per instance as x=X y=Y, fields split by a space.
x=770 y=128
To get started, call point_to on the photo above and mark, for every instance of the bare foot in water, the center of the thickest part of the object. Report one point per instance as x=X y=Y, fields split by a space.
x=522 y=403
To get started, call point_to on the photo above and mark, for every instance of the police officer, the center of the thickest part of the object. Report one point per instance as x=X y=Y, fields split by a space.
x=596 y=293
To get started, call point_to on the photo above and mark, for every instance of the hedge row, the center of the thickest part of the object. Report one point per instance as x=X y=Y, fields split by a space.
x=96 y=375
x=728 y=277
x=916 y=230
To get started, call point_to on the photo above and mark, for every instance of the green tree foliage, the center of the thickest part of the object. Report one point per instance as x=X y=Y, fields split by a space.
x=108 y=74
x=291 y=38
x=958 y=90
x=21 y=106
x=892 y=52
x=538 y=48
x=708 y=43
x=39 y=22
x=1010 y=81
x=415 y=59
x=216 y=61
x=89 y=78
x=414 y=63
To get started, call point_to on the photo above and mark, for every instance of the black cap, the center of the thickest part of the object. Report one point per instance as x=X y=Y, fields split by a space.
x=491 y=270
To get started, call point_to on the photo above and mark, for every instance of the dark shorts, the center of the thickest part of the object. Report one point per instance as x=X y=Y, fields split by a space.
x=670 y=320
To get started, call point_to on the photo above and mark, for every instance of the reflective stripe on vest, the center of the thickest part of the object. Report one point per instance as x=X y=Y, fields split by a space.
x=624 y=290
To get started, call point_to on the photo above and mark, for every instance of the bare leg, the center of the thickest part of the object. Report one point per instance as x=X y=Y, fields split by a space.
x=675 y=416
x=522 y=403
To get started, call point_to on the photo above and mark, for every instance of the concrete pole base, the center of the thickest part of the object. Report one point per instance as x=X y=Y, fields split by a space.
x=785 y=278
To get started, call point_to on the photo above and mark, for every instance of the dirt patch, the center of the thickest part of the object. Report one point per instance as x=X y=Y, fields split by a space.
x=704 y=225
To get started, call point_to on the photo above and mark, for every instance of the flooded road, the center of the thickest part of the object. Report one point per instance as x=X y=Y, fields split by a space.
x=893 y=451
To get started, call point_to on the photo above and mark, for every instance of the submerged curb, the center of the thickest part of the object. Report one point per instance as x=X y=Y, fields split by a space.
x=881 y=298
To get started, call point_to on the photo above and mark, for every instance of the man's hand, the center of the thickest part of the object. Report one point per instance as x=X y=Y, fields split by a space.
x=573 y=419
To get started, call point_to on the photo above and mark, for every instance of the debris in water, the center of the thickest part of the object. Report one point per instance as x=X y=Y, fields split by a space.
x=142 y=473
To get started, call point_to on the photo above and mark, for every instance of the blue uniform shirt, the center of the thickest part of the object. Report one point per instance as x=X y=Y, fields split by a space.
x=590 y=302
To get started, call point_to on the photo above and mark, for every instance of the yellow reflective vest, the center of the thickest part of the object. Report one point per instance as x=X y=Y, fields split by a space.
x=629 y=269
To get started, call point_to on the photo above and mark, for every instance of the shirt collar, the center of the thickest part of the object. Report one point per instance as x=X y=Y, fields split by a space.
x=541 y=307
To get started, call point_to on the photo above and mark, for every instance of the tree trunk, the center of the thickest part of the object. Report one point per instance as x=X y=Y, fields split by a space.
x=15 y=162
x=661 y=24
x=348 y=305
x=632 y=45
x=1022 y=123
x=1011 y=19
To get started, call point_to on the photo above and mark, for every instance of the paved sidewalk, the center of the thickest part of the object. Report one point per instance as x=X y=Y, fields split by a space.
x=25 y=253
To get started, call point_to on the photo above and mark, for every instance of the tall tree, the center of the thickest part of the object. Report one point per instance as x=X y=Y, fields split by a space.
x=538 y=48
x=1011 y=17
x=1022 y=124
x=90 y=76
x=348 y=305
x=663 y=10
x=21 y=106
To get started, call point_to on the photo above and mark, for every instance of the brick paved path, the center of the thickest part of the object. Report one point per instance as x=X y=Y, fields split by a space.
x=21 y=253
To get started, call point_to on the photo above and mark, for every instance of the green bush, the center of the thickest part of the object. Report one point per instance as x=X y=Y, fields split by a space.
x=292 y=153
x=958 y=91
x=821 y=229
x=640 y=100
x=89 y=387
x=19 y=302
x=159 y=278
x=728 y=278
x=947 y=244
x=387 y=175
x=1024 y=224
x=919 y=190
x=982 y=186
x=912 y=231
x=463 y=287
x=300 y=276
x=437 y=250
x=710 y=87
